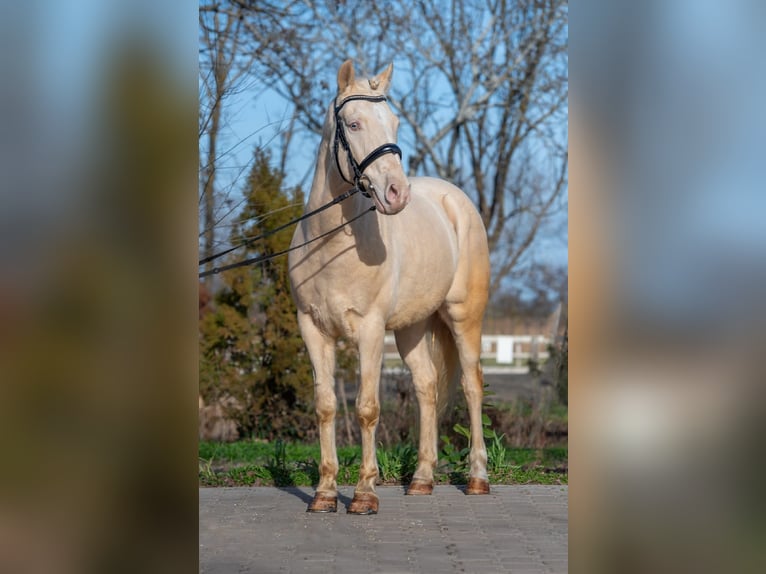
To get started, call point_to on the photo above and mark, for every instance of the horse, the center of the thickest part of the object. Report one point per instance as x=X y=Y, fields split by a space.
x=411 y=257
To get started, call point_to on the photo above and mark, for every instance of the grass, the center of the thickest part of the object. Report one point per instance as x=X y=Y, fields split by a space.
x=258 y=463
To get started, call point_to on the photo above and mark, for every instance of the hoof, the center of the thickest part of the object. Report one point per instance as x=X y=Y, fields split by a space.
x=477 y=486
x=363 y=503
x=420 y=486
x=323 y=503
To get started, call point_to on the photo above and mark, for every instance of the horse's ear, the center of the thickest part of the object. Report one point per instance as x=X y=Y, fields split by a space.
x=345 y=75
x=383 y=80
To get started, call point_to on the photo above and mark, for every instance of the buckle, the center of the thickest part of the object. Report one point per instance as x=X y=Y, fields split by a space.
x=362 y=187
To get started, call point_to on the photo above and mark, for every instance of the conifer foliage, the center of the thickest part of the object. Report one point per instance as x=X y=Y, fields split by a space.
x=252 y=357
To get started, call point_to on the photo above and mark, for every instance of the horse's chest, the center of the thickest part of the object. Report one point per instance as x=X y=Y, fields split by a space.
x=337 y=303
x=336 y=320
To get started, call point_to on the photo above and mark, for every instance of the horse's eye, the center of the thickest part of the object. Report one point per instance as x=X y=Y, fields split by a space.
x=353 y=126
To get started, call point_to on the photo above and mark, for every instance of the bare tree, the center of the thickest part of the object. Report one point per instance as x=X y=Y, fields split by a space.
x=481 y=91
x=227 y=52
x=220 y=74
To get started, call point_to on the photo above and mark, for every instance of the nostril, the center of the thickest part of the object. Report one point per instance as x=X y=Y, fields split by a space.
x=393 y=192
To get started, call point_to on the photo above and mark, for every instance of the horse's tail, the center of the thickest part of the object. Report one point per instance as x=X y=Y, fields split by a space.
x=445 y=357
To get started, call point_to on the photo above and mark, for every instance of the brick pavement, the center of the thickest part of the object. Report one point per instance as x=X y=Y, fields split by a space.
x=518 y=529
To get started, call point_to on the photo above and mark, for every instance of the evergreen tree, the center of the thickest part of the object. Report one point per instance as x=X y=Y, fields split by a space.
x=250 y=345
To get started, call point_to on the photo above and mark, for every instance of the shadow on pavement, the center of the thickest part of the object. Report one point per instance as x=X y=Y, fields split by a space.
x=308 y=497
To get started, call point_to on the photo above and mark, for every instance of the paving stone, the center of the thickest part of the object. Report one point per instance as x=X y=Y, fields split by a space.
x=518 y=529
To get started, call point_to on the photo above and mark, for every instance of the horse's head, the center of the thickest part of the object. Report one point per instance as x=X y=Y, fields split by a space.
x=365 y=147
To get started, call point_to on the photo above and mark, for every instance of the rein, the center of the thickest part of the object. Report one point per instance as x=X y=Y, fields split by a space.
x=263 y=258
x=280 y=228
x=357 y=186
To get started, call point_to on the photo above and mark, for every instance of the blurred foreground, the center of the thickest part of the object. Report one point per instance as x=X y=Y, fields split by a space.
x=98 y=288
x=667 y=276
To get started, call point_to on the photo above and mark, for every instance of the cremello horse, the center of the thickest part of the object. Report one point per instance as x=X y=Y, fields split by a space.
x=418 y=265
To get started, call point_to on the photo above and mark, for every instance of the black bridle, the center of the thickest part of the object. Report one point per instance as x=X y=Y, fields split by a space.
x=340 y=138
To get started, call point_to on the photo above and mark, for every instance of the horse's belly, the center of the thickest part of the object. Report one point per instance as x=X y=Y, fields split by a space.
x=408 y=316
x=420 y=294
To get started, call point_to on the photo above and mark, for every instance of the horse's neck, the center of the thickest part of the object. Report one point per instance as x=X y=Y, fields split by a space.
x=364 y=235
x=318 y=184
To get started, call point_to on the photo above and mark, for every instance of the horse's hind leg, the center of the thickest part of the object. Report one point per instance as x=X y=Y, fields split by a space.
x=467 y=331
x=322 y=352
x=413 y=347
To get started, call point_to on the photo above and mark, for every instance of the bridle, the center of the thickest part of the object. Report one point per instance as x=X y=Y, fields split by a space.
x=358 y=168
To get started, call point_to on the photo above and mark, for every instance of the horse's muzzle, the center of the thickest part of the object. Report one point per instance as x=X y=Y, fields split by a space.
x=397 y=197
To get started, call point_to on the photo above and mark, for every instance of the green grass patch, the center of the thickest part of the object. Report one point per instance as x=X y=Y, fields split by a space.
x=260 y=452
x=258 y=463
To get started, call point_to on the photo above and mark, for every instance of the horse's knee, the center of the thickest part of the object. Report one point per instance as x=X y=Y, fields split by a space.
x=325 y=409
x=368 y=413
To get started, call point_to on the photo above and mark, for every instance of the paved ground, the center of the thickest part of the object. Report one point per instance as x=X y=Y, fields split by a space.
x=518 y=529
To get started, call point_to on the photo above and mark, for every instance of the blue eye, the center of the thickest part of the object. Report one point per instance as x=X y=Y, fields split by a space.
x=353 y=126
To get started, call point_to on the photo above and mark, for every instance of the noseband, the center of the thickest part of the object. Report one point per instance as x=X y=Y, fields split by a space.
x=340 y=138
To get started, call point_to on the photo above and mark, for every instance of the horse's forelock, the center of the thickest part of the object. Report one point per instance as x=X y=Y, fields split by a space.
x=361 y=87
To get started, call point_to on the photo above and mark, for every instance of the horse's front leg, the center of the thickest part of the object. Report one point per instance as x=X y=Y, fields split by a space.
x=321 y=349
x=368 y=411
